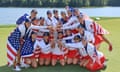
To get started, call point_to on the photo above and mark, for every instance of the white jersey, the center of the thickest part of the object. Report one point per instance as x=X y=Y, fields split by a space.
x=88 y=25
x=75 y=25
x=44 y=48
x=36 y=44
x=40 y=30
x=88 y=36
x=89 y=50
x=36 y=48
x=93 y=27
x=93 y=53
x=57 y=50
x=54 y=22
x=22 y=29
x=48 y=21
x=71 y=21
x=38 y=27
x=100 y=54
x=79 y=46
x=69 y=38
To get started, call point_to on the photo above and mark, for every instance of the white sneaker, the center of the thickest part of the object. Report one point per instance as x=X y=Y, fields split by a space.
x=17 y=68
x=23 y=65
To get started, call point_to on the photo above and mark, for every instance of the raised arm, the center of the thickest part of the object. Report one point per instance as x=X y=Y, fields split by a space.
x=39 y=27
x=71 y=26
x=44 y=30
x=70 y=21
x=74 y=45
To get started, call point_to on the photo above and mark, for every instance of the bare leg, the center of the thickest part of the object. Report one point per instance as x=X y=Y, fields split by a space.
x=47 y=61
x=75 y=61
x=62 y=62
x=54 y=62
x=28 y=61
x=69 y=61
x=41 y=61
x=108 y=42
x=34 y=63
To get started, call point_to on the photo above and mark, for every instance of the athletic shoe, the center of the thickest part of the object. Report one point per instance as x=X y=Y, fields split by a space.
x=23 y=65
x=17 y=68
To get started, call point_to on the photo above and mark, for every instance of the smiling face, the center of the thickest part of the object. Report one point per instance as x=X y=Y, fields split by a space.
x=60 y=35
x=69 y=13
x=80 y=30
x=49 y=15
x=35 y=22
x=63 y=14
x=27 y=24
x=77 y=39
x=46 y=37
x=80 y=19
x=56 y=14
x=76 y=12
x=33 y=14
x=42 y=21
x=68 y=32
x=34 y=36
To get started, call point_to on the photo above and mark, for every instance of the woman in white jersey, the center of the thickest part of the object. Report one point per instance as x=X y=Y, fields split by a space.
x=45 y=55
x=90 y=58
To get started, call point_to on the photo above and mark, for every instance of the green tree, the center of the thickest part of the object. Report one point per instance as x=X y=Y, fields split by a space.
x=86 y=3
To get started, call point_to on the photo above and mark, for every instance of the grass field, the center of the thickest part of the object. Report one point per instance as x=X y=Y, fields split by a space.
x=111 y=24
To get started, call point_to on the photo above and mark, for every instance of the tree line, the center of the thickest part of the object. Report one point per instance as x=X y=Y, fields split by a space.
x=58 y=3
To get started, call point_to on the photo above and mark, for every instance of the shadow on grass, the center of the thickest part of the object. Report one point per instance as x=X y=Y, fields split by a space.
x=57 y=68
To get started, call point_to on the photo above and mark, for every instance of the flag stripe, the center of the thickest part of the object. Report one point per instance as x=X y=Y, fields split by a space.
x=11 y=53
x=10 y=49
x=98 y=29
x=13 y=49
x=9 y=57
x=10 y=62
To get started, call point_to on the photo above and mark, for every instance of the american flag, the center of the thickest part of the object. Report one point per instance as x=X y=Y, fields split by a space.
x=13 y=44
x=98 y=29
x=27 y=49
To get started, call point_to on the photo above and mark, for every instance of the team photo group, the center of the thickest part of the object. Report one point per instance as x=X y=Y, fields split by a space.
x=64 y=37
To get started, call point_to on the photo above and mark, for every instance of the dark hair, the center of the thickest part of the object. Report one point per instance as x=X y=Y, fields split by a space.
x=34 y=11
x=42 y=18
x=60 y=32
x=77 y=37
x=33 y=32
x=55 y=11
x=27 y=20
x=49 y=12
x=34 y=19
x=46 y=34
x=62 y=12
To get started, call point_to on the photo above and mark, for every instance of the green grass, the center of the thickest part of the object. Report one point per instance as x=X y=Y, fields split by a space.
x=111 y=24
